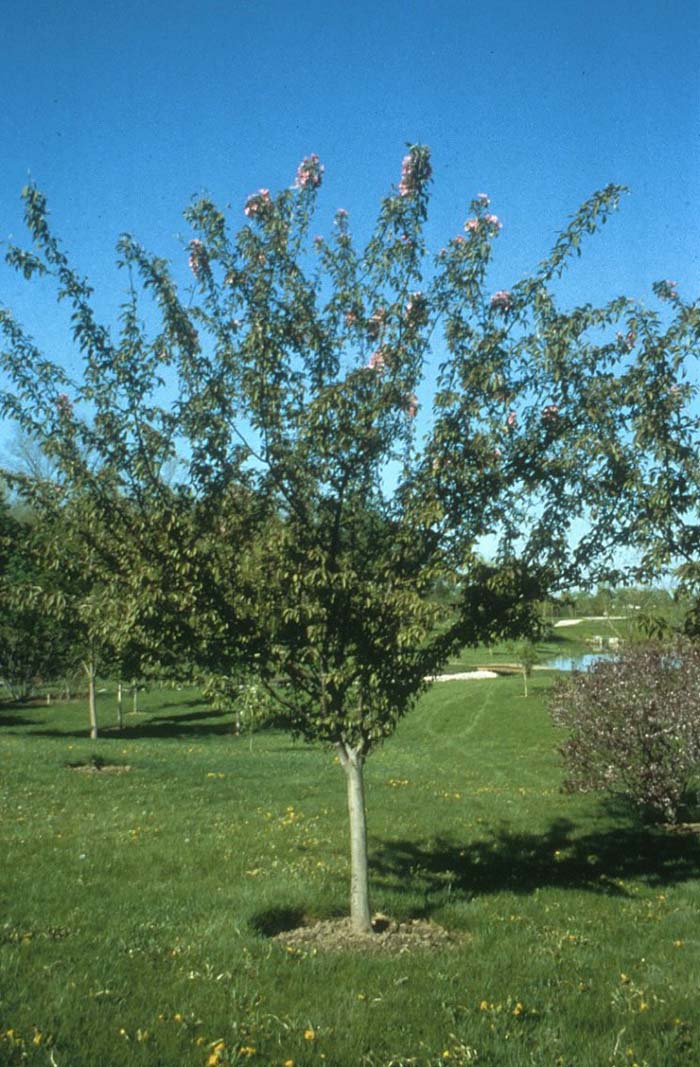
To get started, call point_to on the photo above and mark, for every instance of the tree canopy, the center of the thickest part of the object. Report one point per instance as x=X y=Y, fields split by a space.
x=284 y=458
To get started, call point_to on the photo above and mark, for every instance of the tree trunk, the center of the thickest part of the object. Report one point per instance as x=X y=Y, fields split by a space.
x=135 y=698
x=525 y=681
x=89 y=666
x=120 y=706
x=352 y=762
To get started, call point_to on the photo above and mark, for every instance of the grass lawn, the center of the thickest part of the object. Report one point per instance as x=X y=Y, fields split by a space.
x=137 y=905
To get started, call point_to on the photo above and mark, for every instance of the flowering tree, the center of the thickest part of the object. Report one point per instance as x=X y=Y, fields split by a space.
x=351 y=425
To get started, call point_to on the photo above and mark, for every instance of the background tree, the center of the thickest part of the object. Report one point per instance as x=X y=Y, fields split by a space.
x=33 y=647
x=526 y=656
x=311 y=518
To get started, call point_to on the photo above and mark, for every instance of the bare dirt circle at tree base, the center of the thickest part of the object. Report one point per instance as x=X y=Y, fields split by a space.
x=388 y=938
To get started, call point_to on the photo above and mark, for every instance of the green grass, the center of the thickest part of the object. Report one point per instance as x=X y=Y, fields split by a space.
x=137 y=906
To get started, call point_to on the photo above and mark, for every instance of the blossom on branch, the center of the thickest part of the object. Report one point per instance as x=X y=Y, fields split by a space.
x=501 y=301
x=258 y=203
x=415 y=171
x=309 y=173
x=199 y=257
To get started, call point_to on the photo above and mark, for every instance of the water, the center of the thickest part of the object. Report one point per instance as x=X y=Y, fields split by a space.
x=575 y=663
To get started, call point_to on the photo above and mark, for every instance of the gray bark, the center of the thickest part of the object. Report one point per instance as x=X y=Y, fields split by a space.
x=352 y=761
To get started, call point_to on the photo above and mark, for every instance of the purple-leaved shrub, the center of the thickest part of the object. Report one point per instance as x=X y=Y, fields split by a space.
x=634 y=725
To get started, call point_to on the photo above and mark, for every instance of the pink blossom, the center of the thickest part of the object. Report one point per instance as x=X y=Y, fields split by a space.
x=483 y=197
x=458 y=240
x=415 y=171
x=309 y=173
x=550 y=412
x=257 y=203
x=377 y=361
x=471 y=225
x=497 y=454
x=493 y=220
x=512 y=420
x=501 y=300
x=199 y=257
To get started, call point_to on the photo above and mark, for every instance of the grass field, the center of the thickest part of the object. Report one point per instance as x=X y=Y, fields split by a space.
x=137 y=905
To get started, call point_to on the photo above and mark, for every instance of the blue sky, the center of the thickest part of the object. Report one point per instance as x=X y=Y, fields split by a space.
x=121 y=113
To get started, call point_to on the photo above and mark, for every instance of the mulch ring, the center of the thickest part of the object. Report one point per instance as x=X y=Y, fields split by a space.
x=99 y=766
x=389 y=937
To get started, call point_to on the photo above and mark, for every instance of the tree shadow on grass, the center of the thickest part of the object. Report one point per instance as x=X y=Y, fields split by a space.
x=277 y=920
x=194 y=724
x=7 y=719
x=519 y=862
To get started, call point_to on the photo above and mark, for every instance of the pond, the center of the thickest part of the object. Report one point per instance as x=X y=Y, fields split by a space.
x=575 y=663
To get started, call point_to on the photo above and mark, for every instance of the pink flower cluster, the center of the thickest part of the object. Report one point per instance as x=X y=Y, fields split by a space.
x=494 y=221
x=501 y=300
x=550 y=412
x=416 y=308
x=483 y=198
x=377 y=361
x=309 y=173
x=199 y=258
x=512 y=420
x=258 y=203
x=376 y=323
x=471 y=225
x=415 y=171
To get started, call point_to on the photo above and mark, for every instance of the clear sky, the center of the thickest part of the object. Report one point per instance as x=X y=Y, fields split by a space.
x=121 y=112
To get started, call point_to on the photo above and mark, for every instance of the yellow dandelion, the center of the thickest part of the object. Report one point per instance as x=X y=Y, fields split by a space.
x=484 y=1006
x=177 y=1017
x=518 y=1009
x=247 y=1050
x=309 y=1035
x=288 y=1063
x=37 y=1039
